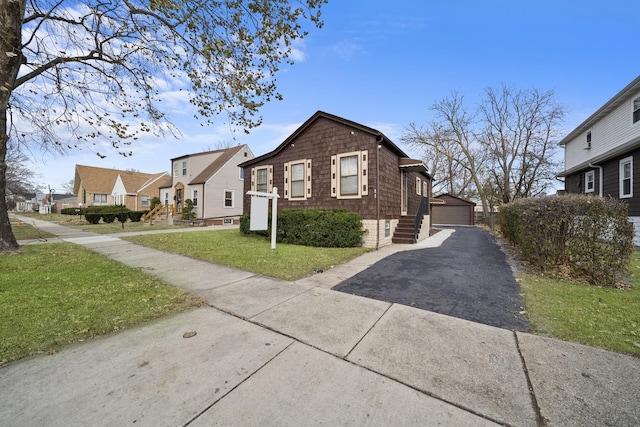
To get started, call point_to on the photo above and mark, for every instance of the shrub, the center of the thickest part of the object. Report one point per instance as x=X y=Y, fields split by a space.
x=155 y=201
x=135 y=216
x=92 y=218
x=314 y=227
x=187 y=210
x=109 y=217
x=591 y=236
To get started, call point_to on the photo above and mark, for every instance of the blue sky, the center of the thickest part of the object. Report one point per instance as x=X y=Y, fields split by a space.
x=383 y=63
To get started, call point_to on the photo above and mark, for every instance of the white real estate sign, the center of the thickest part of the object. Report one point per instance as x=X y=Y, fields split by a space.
x=260 y=212
x=259 y=219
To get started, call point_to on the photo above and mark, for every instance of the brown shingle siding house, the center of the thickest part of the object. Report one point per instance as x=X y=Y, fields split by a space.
x=331 y=162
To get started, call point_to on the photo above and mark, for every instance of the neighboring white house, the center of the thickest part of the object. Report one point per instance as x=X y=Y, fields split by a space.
x=602 y=155
x=212 y=180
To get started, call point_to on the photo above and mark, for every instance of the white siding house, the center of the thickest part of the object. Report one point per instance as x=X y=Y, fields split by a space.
x=212 y=180
x=602 y=155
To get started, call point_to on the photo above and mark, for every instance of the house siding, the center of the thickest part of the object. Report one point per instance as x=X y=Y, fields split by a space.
x=611 y=131
x=319 y=142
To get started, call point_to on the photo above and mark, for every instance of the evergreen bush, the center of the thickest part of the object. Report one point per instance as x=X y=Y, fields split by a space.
x=591 y=237
x=336 y=228
x=92 y=218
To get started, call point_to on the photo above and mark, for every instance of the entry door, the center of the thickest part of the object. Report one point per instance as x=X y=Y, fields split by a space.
x=179 y=200
x=403 y=193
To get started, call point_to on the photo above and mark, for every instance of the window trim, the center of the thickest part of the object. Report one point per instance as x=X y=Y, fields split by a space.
x=635 y=110
x=362 y=174
x=418 y=186
x=184 y=168
x=194 y=196
x=224 y=199
x=254 y=177
x=621 y=177
x=306 y=179
x=590 y=174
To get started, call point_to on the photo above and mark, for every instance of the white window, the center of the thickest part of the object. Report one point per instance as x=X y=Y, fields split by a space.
x=194 y=198
x=589 y=182
x=636 y=110
x=144 y=201
x=99 y=200
x=241 y=173
x=175 y=169
x=587 y=144
x=166 y=198
x=184 y=168
x=297 y=179
x=228 y=198
x=349 y=175
x=227 y=221
x=626 y=177
x=262 y=179
x=418 y=186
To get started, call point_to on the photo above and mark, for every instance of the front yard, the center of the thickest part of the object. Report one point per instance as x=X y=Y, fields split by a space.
x=55 y=294
x=59 y=293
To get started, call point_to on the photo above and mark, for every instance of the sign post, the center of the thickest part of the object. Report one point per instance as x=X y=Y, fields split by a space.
x=259 y=212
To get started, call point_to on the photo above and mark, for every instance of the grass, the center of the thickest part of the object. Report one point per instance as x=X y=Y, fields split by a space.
x=250 y=253
x=25 y=231
x=78 y=222
x=59 y=293
x=597 y=316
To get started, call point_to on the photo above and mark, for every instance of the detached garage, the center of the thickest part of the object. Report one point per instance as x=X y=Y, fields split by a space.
x=454 y=211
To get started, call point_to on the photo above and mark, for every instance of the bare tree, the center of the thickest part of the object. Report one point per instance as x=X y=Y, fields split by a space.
x=80 y=73
x=441 y=155
x=451 y=137
x=519 y=138
x=68 y=186
x=503 y=150
x=19 y=177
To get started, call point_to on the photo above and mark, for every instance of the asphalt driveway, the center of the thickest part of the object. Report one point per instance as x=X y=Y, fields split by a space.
x=467 y=277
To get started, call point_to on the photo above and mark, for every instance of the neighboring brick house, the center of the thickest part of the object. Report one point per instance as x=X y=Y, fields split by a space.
x=331 y=162
x=104 y=187
x=602 y=155
x=212 y=180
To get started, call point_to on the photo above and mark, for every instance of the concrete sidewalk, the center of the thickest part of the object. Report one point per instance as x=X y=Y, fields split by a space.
x=271 y=352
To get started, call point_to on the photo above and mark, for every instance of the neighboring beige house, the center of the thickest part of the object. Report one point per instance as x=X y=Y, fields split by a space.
x=95 y=186
x=212 y=180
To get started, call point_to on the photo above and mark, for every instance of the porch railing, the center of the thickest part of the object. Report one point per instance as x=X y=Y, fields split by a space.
x=423 y=210
x=159 y=210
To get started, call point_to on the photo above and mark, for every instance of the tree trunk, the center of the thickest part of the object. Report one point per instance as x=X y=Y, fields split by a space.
x=11 y=14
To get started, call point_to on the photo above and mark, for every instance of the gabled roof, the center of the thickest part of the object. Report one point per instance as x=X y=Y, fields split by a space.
x=217 y=164
x=101 y=180
x=321 y=114
x=609 y=106
x=439 y=196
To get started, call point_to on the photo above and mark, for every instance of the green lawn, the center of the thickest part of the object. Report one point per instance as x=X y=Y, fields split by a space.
x=59 y=293
x=250 y=253
x=25 y=231
x=597 y=316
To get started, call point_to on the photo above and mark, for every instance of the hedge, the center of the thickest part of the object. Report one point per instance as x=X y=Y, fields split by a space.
x=336 y=228
x=591 y=237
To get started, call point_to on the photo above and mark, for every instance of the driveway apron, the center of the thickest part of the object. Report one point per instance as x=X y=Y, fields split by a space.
x=467 y=277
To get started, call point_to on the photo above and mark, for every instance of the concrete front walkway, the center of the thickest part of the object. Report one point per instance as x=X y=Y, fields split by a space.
x=270 y=352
